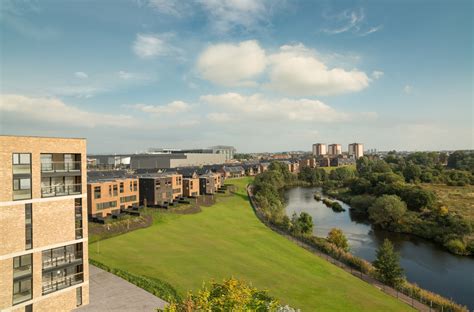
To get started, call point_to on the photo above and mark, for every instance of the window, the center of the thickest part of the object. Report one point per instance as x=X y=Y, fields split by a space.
x=28 y=226
x=96 y=192
x=29 y=308
x=110 y=190
x=60 y=256
x=22 y=266
x=121 y=187
x=78 y=217
x=115 y=190
x=78 y=296
x=131 y=186
x=22 y=290
x=106 y=205
x=135 y=187
x=126 y=199
x=21 y=163
x=21 y=188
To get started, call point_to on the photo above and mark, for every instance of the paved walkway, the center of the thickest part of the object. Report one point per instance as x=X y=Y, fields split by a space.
x=111 y=293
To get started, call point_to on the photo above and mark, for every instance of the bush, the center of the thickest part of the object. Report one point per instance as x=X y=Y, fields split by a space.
x=456 y=246
x=337 y=207
x=337 y=237
x=231 y=295
x=387 y=211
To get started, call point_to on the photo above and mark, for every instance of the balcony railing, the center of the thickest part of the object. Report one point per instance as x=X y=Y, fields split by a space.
x=61 y=166
x=22 y=271
x=57 y=261
x=61 y=190
x=22 y=296
x=78 y=233
x=63 y=282
x=22 y=169
x=21 y=194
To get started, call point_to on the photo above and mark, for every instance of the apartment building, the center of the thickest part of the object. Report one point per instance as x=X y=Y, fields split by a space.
x=43 y=234
x=210 y=182
x=356 y=150
x=334 y=149
x=109 y=195
x=191 y=186
x=307 y=162
x=160 y=189
x=319 y=149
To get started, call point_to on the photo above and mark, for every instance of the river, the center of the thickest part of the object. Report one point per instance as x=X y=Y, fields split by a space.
x=423 y=262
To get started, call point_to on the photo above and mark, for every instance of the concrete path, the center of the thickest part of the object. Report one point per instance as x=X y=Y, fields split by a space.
x=111 y=293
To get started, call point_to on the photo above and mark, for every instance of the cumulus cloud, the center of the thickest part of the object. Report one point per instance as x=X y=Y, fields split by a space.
x=81 y=75
x=296 y=70
x=232 y=64
x=171 y=7
x=53 y=110
x=258 y=107
x=376 y=74
x=174 y=107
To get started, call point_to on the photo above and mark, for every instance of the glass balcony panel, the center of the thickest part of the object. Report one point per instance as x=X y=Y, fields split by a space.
x=55 y=284
x=22 y=271
x=61 y=190
x=60 y=166
x=21 y=194
x=22 y=169
x=60 y=260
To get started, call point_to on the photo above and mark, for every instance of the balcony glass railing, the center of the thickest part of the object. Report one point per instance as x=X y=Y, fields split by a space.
x=61 y=190
x=22 y=169
x=21 y=194
x=22 y=271
x=22 y=296
x=61 y=166
x=57 y=261
x=62 y=282
x=78 y=233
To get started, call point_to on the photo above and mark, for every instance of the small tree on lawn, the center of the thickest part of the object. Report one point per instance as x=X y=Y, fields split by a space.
x=337 y=237
x=387 y=265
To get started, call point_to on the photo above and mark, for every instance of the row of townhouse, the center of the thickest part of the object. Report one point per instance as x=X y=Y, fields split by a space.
x=113 y=192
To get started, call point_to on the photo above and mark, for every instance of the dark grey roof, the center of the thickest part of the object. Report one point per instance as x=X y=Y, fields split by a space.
x=109 y=175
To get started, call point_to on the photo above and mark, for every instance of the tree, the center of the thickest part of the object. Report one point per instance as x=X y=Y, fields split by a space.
x=231 y=295
x=341 y=174
x=337 y=237
x=302 y=224
x=417 y=198
x=361 y=203
x=412 y=172
x=387 y=265
x=387 y=210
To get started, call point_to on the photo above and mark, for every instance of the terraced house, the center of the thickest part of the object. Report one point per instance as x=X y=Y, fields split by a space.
x=160 y=189
x=209 y=183
x=108 y=195
x=43 y=234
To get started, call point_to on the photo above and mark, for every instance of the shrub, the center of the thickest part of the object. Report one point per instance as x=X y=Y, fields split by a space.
x=230 y=295
x=456 y=246
x=361 y=203
x=387 y=210
x=337 y=207
x=337 y=237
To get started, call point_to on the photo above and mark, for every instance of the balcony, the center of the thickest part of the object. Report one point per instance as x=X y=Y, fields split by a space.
x=22 y=296
x=69 y=258
x=61 y=190
x=21 y=194
x=22 y=169
x=60 y=166
x=62 y=282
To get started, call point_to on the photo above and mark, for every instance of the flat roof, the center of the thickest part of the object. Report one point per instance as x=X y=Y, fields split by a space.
x=40 y=137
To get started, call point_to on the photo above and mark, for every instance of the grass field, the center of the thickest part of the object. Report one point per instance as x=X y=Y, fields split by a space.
x=329 y=169
x=455 y=198
x=228 y=240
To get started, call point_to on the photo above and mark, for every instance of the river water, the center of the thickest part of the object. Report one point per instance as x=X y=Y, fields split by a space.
x=423 y=262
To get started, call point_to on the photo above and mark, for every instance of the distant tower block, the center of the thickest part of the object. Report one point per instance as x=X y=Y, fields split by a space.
x=319 y=149
x=334 y=149
x=356 y=150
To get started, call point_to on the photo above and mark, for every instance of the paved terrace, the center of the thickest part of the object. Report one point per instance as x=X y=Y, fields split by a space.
x=112 y=293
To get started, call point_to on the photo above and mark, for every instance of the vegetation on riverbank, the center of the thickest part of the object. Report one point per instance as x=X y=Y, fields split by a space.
x=227 y=240
x=399 y=194
x=384 y=209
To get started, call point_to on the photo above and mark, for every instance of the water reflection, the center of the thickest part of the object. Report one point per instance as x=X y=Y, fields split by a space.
x=424 y=263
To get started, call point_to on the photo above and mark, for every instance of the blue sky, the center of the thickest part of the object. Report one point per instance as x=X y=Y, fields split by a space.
x=259 y=75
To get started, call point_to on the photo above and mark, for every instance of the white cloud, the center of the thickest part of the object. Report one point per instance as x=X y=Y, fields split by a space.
x=129 y=76
x=296 y=70
x=350 y=21
x=219 y=117
x=408 y=89
x=81 y=75
x=174 y=107
x=171 y=7
x=232 y=64
x=226 y=15
x=376 y=74
x=53 y=110
x=150 y=46
x=77 y=91
x=257 y=107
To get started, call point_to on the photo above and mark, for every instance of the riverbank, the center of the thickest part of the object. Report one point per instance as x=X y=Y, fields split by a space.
x=424 y=263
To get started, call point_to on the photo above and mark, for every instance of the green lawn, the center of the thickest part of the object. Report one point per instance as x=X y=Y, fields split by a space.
x=228 y=240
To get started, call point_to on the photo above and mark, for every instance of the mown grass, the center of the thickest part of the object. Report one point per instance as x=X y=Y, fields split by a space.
x=456 y=198
x=227 y=240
